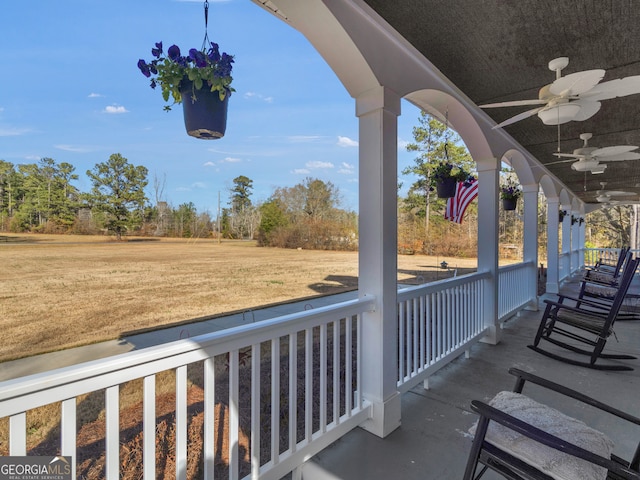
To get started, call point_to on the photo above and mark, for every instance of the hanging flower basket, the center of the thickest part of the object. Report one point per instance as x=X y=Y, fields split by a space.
x=205 y=115
x=509 y=203
x=446 y=188
x=201 y=81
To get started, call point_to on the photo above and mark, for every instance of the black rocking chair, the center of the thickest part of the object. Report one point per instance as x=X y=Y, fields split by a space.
x=588 y=323
x=522 y=439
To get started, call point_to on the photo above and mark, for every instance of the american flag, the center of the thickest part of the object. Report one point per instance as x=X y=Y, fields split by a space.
x=457 y=205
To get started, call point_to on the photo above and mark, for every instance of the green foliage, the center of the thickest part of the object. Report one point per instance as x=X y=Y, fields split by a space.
x=436 y=146
x=272 y=217
x=241 y=193
x=118 y=192
x=199 y=69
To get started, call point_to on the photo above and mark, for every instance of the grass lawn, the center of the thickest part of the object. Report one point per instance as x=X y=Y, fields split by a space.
x=63 y=291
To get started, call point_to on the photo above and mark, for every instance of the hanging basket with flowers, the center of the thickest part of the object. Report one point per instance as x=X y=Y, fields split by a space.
x=201 y=81
x=445 y=177
x=509 y=193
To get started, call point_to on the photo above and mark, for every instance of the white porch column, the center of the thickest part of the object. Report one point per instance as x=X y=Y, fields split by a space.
x=582 y=227
x=378 y=110
x=575 y=244
x=566 y=243
x=530 y=247
x=553 y=209
x=488 y=174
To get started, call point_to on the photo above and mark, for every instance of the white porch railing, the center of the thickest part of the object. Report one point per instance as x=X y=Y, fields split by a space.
x=436 y=323
x=608 y=255
x=564 y=266
x=293 y=388
x=516 y=288
x=284 y=388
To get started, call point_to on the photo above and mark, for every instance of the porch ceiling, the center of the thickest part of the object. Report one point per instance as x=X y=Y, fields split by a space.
x=496 y=51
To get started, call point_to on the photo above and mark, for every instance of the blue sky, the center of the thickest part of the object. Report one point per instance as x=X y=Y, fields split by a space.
x=70 y=90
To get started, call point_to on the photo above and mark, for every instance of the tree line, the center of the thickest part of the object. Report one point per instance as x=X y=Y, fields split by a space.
x=42 y=197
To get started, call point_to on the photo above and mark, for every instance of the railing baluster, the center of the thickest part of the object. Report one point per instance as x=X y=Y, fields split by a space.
x=112 y=407
x=68 y=432
x=348 y=361
x=275 y=400
x=293 y=391
x=18 y=434
x=255 y=411
x=323 y=378
x=336 y=372
x=209 y=417
x=149 y=427
x=181 y=422
x=401 y=340
x=234 y=413
x=308 y=384
x=359 y=400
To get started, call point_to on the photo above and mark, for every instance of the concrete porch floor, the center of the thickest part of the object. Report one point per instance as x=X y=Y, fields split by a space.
x=433 y=442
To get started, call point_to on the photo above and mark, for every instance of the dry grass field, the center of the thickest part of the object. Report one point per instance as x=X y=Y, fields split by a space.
x=63 y=291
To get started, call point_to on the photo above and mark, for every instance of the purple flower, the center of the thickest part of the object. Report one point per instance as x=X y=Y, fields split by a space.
x=144 y=68
x=198 y=58
x=156 y=52
x=173 y=53
x=214 y=53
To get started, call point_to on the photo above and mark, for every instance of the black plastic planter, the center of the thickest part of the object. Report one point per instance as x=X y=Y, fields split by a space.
x=205 y=115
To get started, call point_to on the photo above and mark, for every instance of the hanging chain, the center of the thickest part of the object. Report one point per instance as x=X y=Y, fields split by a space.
x=206 y=41
x=446 y=142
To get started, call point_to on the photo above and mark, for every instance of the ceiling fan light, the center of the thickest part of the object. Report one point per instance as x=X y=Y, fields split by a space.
x=599 y=169
x=561 y=113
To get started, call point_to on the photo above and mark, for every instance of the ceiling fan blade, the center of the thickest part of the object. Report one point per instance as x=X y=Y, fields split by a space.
x=568 y=155
x=614 y=150
x=620 y=157
x=517 y=118
x=515 y=103
x=560 y=161
x=577 y=83
x=620 y=87
x=587 y=109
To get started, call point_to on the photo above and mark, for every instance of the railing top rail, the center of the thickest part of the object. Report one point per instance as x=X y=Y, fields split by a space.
x=433 y=287
x=136 y=364
x=516 y=266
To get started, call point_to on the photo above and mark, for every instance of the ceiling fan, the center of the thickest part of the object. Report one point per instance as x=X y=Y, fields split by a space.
x=605 y=196
x=588 y=158
x=574 y=97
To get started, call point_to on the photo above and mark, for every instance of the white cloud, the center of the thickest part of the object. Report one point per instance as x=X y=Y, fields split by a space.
x=231 y=160
x=208 y=164
x=12 y=131
x=198 y=185
x=347 y=168
x=258 y=96
x=402 y=144
x=72 y=148
x=301 y=171
x=303 y=138
x=318 y=164
x=346 y=142
x=115 y=109
x=33 y=157
x=95 y=95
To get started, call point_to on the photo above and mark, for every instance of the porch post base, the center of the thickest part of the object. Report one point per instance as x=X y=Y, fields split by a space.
x=552 y=288
x=386 y=417
x=493 y=336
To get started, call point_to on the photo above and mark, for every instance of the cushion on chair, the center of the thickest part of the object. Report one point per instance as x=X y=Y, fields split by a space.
x=558 y=465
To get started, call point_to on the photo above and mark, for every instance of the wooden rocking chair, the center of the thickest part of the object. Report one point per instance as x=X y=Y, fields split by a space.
x=587 y=323
x=520 y=439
